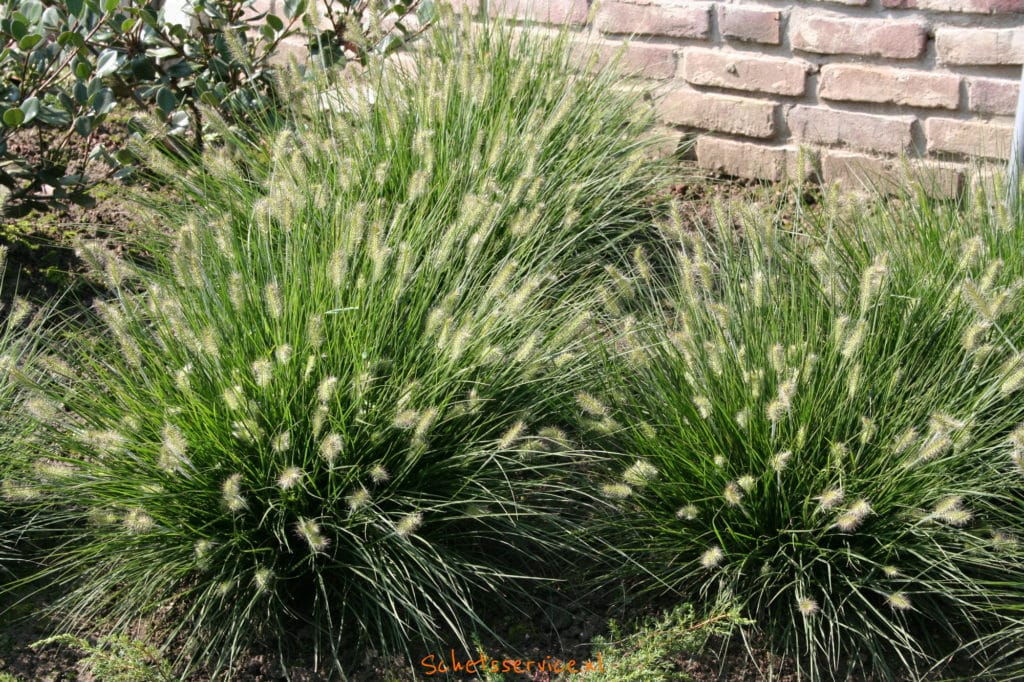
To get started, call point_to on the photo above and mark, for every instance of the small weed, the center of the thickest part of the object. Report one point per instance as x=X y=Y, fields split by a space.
x=116 y=658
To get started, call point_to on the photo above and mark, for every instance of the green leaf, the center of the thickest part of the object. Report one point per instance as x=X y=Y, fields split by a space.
x=427 y=12
x=71 y=39
x=166 y=100
x=32 y=10
x=83 y=125
x=161 y=52
x=51 y=19
x=107 y=63
x=143 y=68
x=19 y=28
x=29 y=41
x=14 y=117
x=293 y=8
x=103 y=101
x=54 y=117
x=75 y=7
x=180 y=69
x=275 y=22
x=81 y=93
x=83 y=69
x=30 y=107
x=110 y=5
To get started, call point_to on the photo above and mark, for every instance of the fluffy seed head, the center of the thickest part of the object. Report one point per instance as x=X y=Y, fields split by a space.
x=904 y=440
x=899 y=601
x=851 y=519
x=283 y=354
x=1014 y=378
x=640 y=473
x=41 y=409
x=281 y=442
x=331 y=446
x=591 y=405
x=806 y=606
x=934 y=447
x=950 y=510
x=867 y=430
x=780 y=461
x=776 y=410
x=105 y=441
x=733 y=494
x=616 y=491
x=289 y=478
x=234 y=397
x=378 y=474
x=231 y=493
x=309 y=530
x=138 y=521
x=830 y=499
x=173 y=449
x=272 y=299
x=871 y=282
x=712 y=557
x=319 y=419
x=262 y=578
x=262 y=372
x=358 y=498
x=513 y=434
x=688 y=512
x=424 y=423
x=325 y=391
x=747 y=482
x=408 y=524
x=202 y=549
x=703 y=406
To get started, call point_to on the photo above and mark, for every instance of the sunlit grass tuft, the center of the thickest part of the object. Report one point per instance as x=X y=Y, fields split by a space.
x=831 y=404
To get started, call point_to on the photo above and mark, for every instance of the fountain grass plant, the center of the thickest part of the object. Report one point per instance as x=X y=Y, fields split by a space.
x=823 y=422
x=338 y=396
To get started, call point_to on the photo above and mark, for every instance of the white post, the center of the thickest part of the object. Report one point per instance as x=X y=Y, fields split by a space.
x=1016 y=153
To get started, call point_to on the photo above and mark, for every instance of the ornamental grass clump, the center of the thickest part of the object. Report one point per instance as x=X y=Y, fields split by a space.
x=823 y=422
x=489 y=124
x=333 y=404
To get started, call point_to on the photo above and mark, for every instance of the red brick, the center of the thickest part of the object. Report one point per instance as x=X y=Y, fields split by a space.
x=980 y=45
x=973 y=6
x=744 y=159
x=638 y=59
x=856 y=171
x=971 y=138
x=722 y=113
x=992 y=96
x=857 y=83
x=829 y=33
x=548 y=11
x=743 y=71
x=818 y=125
x=750 y=24
x=689 y=21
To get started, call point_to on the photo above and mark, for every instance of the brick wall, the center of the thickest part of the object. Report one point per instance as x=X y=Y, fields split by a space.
x=857 y=83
